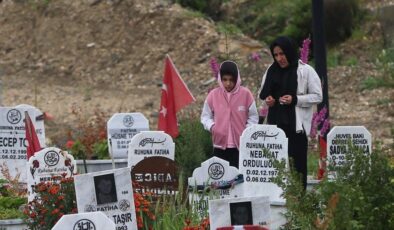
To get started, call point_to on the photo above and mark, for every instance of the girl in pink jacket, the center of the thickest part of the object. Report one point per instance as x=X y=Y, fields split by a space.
x=228 y=110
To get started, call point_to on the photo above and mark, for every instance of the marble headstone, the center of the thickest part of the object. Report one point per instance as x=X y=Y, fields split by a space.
x=219 y=178
x=149 y=144
x=85 y=221
x=121 y=127
x=49 y=164
x=259 y=145
x=13 y=141
x=338 y=138
x=110 y=192
x=239 y=211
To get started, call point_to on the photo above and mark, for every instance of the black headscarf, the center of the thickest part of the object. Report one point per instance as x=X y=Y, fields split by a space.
x=282 y=81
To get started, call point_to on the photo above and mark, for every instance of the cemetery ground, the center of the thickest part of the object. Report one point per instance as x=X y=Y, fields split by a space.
x=94 y=65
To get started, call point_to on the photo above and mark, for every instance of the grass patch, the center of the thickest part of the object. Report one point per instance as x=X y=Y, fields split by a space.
x=351 y=61
x=333 y=58
x=228 y=28
x=313 y=163
x=384 y=101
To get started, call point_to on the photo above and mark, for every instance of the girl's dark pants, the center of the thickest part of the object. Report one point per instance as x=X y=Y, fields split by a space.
x=231 y=155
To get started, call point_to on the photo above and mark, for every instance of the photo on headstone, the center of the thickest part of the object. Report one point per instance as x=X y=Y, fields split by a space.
x=241 y=213
x=105 y=189
x=110 y=192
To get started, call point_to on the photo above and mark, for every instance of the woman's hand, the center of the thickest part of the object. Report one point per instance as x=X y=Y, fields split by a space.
x=285 y=100
x=270 y=101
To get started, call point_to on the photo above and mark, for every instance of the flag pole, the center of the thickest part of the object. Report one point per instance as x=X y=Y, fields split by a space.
x=110 y=152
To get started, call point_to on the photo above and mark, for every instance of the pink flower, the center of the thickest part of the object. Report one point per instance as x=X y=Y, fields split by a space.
x=305 y=50
x=325 y=128
x=214 y=67
x=255 y=56
x=263 y=111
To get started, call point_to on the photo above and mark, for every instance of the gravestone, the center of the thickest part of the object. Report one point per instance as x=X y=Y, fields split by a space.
x=13 y=141
x=39 y=121
x=338 y=139
x=85 y=221
x=149 y=144
x=49 y=164
x=239 y=211
x=121 y=127
x=214 y=179
x=110 y=192
x=256 y=164
x=158 y=175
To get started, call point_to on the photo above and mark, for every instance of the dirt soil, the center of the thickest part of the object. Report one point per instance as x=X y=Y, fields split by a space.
x=109 y=55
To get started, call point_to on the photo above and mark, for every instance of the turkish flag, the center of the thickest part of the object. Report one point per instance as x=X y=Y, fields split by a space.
x=174 y=96
x=31 y=137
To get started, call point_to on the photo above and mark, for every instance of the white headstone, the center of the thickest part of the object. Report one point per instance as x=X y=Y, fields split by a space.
x=85 y=221
x=47 y=164
x=13 y=142
x=38 y=121
x=239 y=211
x=121 y=127
x=150 y=144
x=219 y=178
x=110 y=192
x=255 y=163
x=338 y=138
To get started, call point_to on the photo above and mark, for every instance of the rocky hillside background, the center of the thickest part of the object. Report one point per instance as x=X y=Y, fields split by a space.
x=108 y=56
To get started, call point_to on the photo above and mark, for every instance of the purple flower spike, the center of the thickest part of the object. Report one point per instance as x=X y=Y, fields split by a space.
x=214 y=67
x=305 y=50
x=325 y=128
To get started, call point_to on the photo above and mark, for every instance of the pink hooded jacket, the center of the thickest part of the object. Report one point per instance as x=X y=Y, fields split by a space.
x=219 y=111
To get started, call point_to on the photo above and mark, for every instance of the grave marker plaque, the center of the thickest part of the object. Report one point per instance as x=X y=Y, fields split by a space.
x=110 y=192
x=121 y=127
x=85 y=221
x=214 y=179
x=149 y=144
x=13 y=143
x=256 y=164
x=157 y=175
x=239 y=211
x=338 y=139
x=48 y=164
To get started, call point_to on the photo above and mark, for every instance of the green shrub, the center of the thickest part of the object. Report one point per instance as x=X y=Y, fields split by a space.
x=210 y=8
x=192 y=146
x=385 y=62
x=360 y=197
x=341 y=17
x=10 y=213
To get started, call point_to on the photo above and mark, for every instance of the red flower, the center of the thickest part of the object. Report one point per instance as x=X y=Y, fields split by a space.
x=69 y=144
x=54 y=189
x=55 y=211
